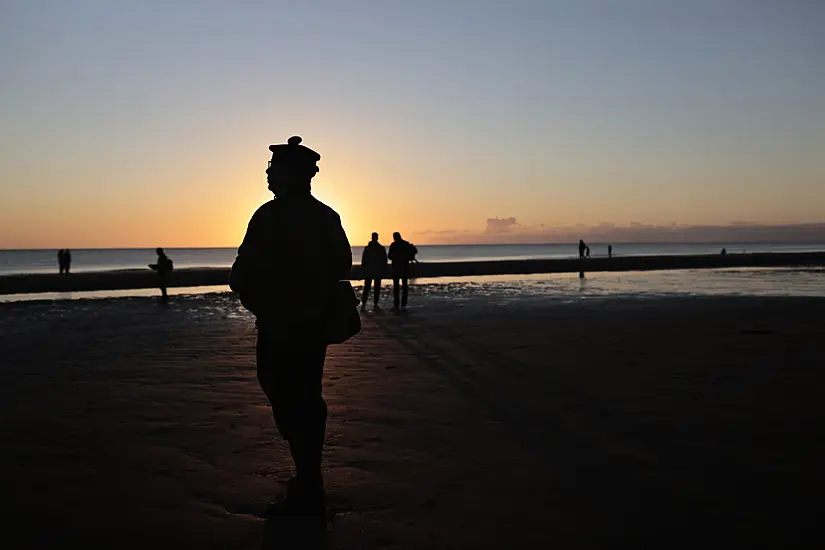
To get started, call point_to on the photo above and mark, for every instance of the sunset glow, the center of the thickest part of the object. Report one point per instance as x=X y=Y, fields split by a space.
x=150 y=125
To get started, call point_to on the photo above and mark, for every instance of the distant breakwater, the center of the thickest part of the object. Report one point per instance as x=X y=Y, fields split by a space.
x=137 y=279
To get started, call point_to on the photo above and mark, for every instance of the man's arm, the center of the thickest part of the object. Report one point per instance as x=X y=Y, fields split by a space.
x=238 y=275
x=341 y=261
x=244 y=278
x=365 y=255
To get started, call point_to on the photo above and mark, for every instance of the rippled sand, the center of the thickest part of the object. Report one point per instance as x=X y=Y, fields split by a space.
x=493 y=420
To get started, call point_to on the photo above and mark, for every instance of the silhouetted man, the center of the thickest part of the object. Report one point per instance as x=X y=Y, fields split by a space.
x=610 y=251
x=401 y=254
x=582 y=248
x=374 y=266
x=163 y=268
x=293 y=237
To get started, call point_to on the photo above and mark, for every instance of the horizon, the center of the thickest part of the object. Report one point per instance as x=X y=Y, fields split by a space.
x=633 y=234
x=528 y=122
x=815 y=235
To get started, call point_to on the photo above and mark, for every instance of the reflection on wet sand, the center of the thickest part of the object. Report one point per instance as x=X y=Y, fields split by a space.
x=564 y=287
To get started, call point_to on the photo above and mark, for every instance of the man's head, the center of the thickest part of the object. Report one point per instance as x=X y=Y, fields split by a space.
x=375 y=237
x=396 y=236
x=292 y=168
x=159 y=251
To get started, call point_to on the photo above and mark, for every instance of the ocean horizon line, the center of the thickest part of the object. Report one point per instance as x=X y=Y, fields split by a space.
x=442 y=245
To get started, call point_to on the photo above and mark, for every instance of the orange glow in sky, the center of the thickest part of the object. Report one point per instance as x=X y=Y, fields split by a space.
x=149 y=124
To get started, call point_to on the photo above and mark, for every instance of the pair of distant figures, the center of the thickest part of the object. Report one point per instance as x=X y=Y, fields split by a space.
x=64 y=261
x=163 y=267
x=374 y=262
x=584 y=250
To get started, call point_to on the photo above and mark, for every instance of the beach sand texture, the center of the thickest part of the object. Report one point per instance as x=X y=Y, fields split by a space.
x=660 y=423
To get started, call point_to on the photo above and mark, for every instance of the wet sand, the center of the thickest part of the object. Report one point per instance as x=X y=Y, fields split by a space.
x=618 y=423
x=213 y=276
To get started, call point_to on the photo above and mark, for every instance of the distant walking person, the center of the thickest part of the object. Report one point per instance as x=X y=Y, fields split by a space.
x=582 y=248
x=164 y=267
x=374 y=267
x=401 y=254
x=610 y=251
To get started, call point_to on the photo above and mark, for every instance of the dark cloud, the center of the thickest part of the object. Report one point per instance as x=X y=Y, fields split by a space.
x=738 y=232
x=500 y=225
x=438 y=232
x=508 y=230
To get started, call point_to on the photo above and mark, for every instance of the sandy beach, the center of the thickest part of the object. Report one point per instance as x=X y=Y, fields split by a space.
x=590 y=424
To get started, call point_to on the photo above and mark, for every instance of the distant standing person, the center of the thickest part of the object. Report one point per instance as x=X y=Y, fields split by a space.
x=374 y=267
x=582 y=248
x=64 y=261
x=164 y=268
x=401 y=254
x=610 y=251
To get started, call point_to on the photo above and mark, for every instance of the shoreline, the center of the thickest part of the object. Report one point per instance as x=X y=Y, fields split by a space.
x=213 y=276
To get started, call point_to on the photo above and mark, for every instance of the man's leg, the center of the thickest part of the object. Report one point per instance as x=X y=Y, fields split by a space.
x=377 y=291
x=291 y=377
x=366 y=294
x=395 y=291
x=162 y=286
x=272 y=381
x=314 y=413
x=405 y=284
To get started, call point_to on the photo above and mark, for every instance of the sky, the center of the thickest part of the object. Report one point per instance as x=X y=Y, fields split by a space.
x=147 y=123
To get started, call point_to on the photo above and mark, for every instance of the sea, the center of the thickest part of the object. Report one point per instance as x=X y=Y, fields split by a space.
x=450 y=293
x=108 y=259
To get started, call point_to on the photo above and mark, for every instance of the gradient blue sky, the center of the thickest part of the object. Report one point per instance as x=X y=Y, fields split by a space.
x=147 y=123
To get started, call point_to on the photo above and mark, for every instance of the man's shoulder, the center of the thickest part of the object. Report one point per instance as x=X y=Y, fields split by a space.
x=274 y=206
x=267 y=209
x=325 y=209
x=322 y=213
x=286 y=211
